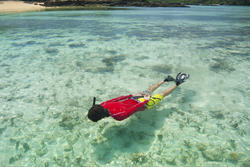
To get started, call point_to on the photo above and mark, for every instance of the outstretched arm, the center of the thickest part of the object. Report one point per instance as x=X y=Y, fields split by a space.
x=180 y=78
x=167 y=91
x=155 y=86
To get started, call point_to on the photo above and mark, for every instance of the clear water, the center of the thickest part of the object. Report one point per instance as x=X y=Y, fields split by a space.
x=53 y=63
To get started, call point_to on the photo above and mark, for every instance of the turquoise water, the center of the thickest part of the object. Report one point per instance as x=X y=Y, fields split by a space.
x=53 y=63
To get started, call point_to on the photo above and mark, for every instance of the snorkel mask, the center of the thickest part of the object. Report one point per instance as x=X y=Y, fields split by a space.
x=97 y=112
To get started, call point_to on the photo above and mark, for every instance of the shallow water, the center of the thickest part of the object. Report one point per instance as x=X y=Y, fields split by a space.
x=53 y=63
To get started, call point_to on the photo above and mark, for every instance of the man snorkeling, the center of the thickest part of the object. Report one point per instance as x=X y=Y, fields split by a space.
x=122 y=107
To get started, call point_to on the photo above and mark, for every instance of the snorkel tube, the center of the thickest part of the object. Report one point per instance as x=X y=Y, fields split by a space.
x=94 y=99
x=97 y=112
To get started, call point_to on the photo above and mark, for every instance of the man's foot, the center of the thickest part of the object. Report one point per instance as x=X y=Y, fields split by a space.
x=180 y=78
x=169 y=78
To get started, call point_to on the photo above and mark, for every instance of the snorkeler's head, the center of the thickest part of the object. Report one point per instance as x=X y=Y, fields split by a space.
x=97 y=112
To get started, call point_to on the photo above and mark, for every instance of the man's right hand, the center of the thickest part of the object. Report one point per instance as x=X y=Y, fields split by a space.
x=146 y=96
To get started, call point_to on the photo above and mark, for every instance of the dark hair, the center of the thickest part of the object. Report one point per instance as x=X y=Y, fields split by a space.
x=97 y=112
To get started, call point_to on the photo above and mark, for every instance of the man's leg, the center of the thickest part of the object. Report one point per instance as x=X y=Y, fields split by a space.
x=167 y=91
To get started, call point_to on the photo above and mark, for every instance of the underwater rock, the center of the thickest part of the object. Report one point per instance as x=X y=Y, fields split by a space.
x=49 y=139
x=234 y=156
x=79 y=64
x=202 y=146
x=140 y=137
x=139 y=158
x=4 y=28
x=59 y=160
x=188 y=143
x=166 y=156
x=51 y=50
x=216 y=114
x=30 y=43
x=177 y=111
x=160 y=137
x=15 y=158
x=163 y=68
x=188 y=156
x=215 y=154
x=68 y=122
x=4 y=65
x=77 y=45
x=105 y=69
x=220 y=44
x=232 y=143
x=79 y=161
x=56 y=44
x=13 y=56
x=110 y=61
x=69 y=83
x=68 y=148
x=235 y=123
x=187 y=96
x=221 y=65
x=72 y=139
x=99 y=139
x=246 y=163
x=238 y=53
x=2 y=130
x=26 y=147
x=46 y=164
x=170 y=160
x=113 y=52
x=141 y=58
x=73 y=103
x=41 y=151
x=15 y=44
